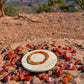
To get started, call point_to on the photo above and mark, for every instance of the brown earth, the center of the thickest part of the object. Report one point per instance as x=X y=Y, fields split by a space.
x=61 y=28
x=38 y=26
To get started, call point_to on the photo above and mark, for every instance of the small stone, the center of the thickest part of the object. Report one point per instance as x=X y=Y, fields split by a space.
x=60 y=72
x=50 y=73
x=50 y=79
x=26 y=73
x=16 y=78
x=27 y=82
x=28 y=78
x=77 y=62
x=53 y=44
x=22 y=77
x=64 y=80
x=40 y=75
x=59 y=50
x=67 y=55
x=20 y=48
x=36 y=80
x=7 y=78
x=45 y=76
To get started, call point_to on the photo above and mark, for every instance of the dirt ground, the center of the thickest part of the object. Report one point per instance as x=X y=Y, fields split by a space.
x=39 y=26
x=61 y=28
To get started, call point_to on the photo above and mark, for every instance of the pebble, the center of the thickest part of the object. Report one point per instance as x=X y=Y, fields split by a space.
x=36 y=80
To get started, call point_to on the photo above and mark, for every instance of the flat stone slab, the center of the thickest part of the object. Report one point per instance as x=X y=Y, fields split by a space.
x=38 y=57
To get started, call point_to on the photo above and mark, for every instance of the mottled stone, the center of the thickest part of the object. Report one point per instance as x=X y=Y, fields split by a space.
x=36 y=80
x=50 y=73
x=27 y=82
x=13 y=82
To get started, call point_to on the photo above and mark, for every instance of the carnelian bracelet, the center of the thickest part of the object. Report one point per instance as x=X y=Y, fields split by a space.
x=37 y=63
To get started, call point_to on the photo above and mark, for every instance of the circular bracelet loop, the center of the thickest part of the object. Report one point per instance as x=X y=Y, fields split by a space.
x=37 y=63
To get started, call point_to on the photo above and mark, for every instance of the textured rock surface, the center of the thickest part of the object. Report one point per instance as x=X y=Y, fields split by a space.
x=36 y=26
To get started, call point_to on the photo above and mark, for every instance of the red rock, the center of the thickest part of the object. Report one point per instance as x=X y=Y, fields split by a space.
x=42 y=48
x=45 y=45
x=68 y=59
x=11 y=55
x=22 y=77
x=1 y=72
x=28 y=78
x=77 y=62
x=36 y=47
x=20 y=48
x=67 y=47
x=67 y=55
x=56 y=53
x=68 y=76
x=73 y=51
x=5 y=69
x=40 y=75
x=54 y=50
x=60 y=72
x=59 y=50
x=45 y=76
x=64 y=80
x=29 y=46
x=13 y=63
x=65 y=65
x=7 y=78
x=53 y=44
x=59 y=46
x=6 y=57
x=50 y=79
x=71 y=66
x=40 y=45
x=16 y=78
x=59 y=64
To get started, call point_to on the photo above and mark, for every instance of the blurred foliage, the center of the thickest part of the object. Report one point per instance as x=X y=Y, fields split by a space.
x=47 y=7
x=53 y=2
x=42 y=8
x=37 y=7
x=10 y=10
x=69 y=8
x=80 y=3
x=60 y=5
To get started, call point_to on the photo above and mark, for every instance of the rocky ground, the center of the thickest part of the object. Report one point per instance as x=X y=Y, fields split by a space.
x=61 y=28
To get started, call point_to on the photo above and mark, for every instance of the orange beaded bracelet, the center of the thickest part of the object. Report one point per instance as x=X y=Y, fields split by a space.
x=37 y=63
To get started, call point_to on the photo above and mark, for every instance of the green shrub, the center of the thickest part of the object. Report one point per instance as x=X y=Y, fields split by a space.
x=69 y=8
x=44 y=8
x=48 y=7
x=80 y=3
x=10 y=10
x=52 y=2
